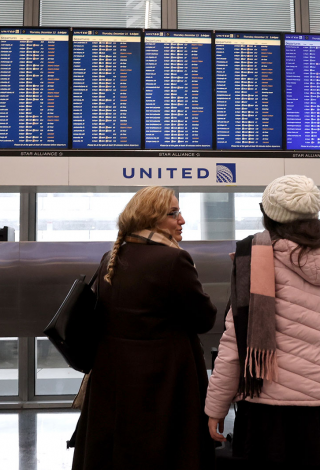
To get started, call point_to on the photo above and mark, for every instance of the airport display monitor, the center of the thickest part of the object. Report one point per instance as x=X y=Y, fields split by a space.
x=82 y=88
x=248 y=91
x=302 y=74
x=178 y=89
x=106 y=100
x=34 y=85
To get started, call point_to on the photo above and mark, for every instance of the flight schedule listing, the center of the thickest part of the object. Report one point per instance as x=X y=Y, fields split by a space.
x=178 y=89
x=34 y=87
x=248 y=91
x=106 y=89
x=302 y=63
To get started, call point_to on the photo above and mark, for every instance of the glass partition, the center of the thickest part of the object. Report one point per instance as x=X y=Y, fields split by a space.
x=93 y=217
x=53 y=375
x=227 y=214
x=248 y=216
x=79 y=216
x=220 y=216
x=10 y=212
x=9 y=366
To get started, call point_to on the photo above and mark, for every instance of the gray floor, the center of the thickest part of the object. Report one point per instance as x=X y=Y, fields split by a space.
x=36 y=440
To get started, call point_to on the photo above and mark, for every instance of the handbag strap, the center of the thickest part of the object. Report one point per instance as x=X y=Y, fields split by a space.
x=91 y=282
x=94 y=277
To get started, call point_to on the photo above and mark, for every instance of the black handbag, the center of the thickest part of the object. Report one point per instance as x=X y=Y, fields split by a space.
x=74 y=328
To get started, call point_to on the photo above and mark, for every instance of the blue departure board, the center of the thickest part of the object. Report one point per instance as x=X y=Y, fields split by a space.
x=178 y=90
x=248 y=91
x=106 y=89
x=34 y=69
x=302 y=64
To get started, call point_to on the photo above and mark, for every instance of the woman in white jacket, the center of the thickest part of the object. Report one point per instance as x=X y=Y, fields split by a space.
x=269 y=355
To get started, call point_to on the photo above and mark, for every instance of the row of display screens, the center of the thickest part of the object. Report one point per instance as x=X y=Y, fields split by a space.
x=158 y=89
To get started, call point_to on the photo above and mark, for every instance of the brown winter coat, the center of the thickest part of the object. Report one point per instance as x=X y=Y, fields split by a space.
x=144 y=403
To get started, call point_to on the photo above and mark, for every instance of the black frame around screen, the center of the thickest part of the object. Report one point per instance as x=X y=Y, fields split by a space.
x=192 y=151
x=283 y=143
x=182 y=31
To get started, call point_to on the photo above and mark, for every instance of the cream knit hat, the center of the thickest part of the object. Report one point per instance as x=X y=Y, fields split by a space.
x=290 y=198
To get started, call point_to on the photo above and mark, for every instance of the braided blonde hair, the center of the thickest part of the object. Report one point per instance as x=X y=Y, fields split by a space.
x=148 y=207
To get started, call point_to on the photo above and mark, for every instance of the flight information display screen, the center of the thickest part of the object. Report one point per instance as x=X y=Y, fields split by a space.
x=178 y=89
x=302 y=65
x=34 y=86
x=248 y=91
x=106 y=89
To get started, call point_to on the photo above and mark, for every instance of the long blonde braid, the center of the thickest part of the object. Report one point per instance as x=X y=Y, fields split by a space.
x=113 y=257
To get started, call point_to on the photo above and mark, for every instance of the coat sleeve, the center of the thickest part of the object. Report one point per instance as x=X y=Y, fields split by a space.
x=224 y=381
x=194 y=308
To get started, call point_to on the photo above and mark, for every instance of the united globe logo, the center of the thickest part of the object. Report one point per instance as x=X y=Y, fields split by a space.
x=226 y=172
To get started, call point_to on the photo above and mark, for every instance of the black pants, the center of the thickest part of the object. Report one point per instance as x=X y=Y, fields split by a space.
x=269 y=436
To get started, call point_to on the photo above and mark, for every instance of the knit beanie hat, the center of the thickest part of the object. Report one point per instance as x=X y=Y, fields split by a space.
x=291 y=197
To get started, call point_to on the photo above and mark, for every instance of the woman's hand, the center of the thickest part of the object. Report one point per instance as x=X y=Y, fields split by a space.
x=215 y=424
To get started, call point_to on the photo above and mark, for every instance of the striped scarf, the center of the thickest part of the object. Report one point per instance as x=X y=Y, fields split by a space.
x=253 y=308
x=147 y=237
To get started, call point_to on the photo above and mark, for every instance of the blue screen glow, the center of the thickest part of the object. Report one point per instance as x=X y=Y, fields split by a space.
x=248 y=91
x=302 y=61
x=34 y=87
x=106 y=89
x=178 y=90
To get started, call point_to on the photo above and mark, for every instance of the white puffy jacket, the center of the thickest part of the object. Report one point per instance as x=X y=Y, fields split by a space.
x=297 y=340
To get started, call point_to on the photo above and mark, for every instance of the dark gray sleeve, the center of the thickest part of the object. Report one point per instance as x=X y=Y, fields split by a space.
x=194 y=308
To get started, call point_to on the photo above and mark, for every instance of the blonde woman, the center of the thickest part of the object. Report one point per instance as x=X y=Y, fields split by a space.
x=144 y=403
